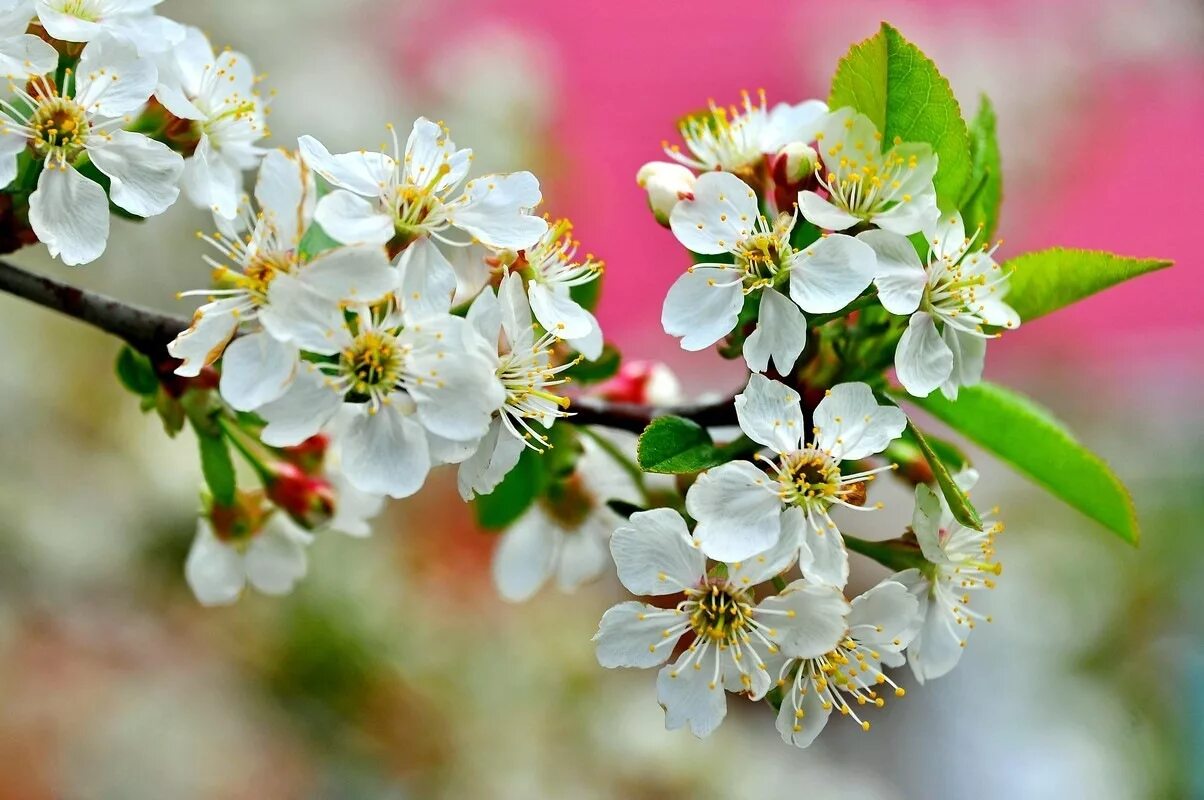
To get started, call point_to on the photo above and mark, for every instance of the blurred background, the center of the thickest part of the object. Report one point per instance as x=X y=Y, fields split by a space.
x=395 y=672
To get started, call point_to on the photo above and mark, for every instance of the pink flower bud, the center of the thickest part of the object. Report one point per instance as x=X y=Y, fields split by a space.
x=666 y=184
x=648 y=382
x=308 y=499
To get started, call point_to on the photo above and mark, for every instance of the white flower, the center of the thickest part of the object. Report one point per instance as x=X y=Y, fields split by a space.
x=68 y=212
x=528 y=374
x=563 y=535
x=728 y=628
x=395 y=374
x=22 y=54
x=736 y=139
x=950 y=300
x=271 y=558
x=892 y=190
x=878 y=627
x=666 y=185
x=960 y=560
x=216 y=92
x=378 y=197
x=740 y=508
x=704 y=305
x=553 y=271
x=129 y=20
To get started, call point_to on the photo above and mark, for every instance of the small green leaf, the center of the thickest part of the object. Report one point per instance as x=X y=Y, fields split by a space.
x=1047 y=280
x=984 y=189
x=514 y=495
x=217 y=467
x=892 y=82
x=603 y=367
x=959 y=504
x=136 y=372
x=677 y=446
x=1033 y=441
x=587 y=295
x=315 y=240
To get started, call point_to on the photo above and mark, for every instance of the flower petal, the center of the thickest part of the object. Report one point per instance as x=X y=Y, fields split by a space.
x=922 y=360
x=363 y=173
x=526 y=556
x=296 y=313
x=702 y=306
x=211 y=181
x=213 y=325
x=969 y=355
x=690 y=695
x=301 y=411
x=781 y=334
x=817 y=623
x=829 y=559
x=788 y=124
x=70 y=215
x=495 y=209
x=25 y=55
x=214 y=571
x=351 y=219
x=655 y=554
x=427 y=281
x=802 y=715
x=853 y=425
x=356 y=274
x=738 y=511
x=632 y=634
x=495 y=456
x=112 y=79
x=275 y=559
x=885 y=617
x=822 y=214
x=582 y=558
x=144 y=173
x=455 y=384
x=770 y=414
x=285 y=193
x=909 y=216
x=830 y=273
x=721 y=214
x=774 y=561
x=558 y=313
x=386 y=452
x=257 y=369
x=900 y=277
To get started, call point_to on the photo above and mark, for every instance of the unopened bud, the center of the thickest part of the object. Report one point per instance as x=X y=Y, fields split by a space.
x=666 y=184
x=308 y=456
x=795 y=163
x=242 y=519
x=309 y=500
x=649 y=382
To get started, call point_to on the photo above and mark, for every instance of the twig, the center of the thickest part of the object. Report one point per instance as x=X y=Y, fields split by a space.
x=149 y=332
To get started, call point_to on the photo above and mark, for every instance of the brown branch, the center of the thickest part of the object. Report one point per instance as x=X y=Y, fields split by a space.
x=149 y=332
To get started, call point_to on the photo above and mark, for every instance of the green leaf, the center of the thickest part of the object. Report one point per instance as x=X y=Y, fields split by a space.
x=676 y=446
x=603 y=367
x=959 y=504
x=984 y=189
x=315 y=240
x=889 y=80
x=217 y=467
x=1033 y=441
x=136 y=372
x=514 y=495
x=1047 y=280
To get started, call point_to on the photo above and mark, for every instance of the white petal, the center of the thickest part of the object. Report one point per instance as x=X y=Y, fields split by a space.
x=275 y=559
x=721 y=214
x=354 y=510
x=781 y=334
x=11 y=146
x=213 y=325
x=144 y=173
x=969 y=355
x=558 y=313
x=655 y=555
x=285 y=193
x=358 y=274
x=485 y=315
x=770 y=414
x=825 y=215
x=690 y=695
x=946 y=235
x=25 y=55
x=702 y=306
x=900 y=277
x=803 y=715
x=632 y=634
x=256 y=369
x=211 y=182
x=906 y=218
x=301 y=411
x=429 y=149
x=885 y=617
x=64 y=26
x=774 y=561
x=526 y=556
x=214 y=571
x=495 y=456
x=591 y=344
x=472 y=273
x=363 y=173
x=459 y=390
x=788 y=124
x=351 y=219
x=427 y=281
x=922 y=360
x=112 y=79
x=853 y=425
x=582 y=558
x=830 y=273
x=70 y=215
x=515 y=313
x=829 y=558
x=738 y=511
x=296 y=313
x=818 y=621
x=385 y=452
x=495 y=210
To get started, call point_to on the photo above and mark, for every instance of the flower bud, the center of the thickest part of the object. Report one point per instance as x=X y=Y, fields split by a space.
x=649 y=382
x=240 y=520
x=666 y=184
x=309 y=500
x=309 y=455
x=792 y=170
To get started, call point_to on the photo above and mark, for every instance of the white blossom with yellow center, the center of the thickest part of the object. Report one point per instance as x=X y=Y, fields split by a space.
x=131 y=21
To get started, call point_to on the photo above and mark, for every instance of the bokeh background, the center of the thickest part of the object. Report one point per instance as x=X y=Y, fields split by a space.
x=394 y=672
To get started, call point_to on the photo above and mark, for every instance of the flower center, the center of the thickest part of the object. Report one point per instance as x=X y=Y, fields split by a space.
x=263 y=268
x=722 y=137
x=766 y=255
x=718 y=611
x=373 y=363
x=60 y=125
x=865 y=182
x=81 y=9
x=807 y=475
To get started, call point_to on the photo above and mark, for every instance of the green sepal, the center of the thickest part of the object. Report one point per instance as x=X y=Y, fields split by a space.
x=136 y=372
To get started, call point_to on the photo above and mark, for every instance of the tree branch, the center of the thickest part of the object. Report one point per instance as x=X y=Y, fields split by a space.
x=149 y=331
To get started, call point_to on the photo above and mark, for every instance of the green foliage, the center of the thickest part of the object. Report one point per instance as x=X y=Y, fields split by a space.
x=217 y=467
x=1033 y=441
x=891 y=81
x=603 y=367
x=677 y=446
x=170 y=411
x=959 y=504
x=587 y=295
x=1047 y=280
x=136 y=372
x=315 y=240
x=984 y=189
